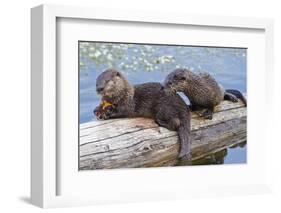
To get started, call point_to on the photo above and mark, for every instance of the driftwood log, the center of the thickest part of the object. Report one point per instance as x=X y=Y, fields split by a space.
x=140 y=142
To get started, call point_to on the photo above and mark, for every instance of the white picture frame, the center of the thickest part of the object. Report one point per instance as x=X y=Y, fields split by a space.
x=44 y=155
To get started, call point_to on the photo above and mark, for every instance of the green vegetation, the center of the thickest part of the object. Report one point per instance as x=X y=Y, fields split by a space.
x=132 y=57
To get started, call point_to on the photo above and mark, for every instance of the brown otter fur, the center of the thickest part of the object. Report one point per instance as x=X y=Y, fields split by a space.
x=145 y=100
x=202 y=90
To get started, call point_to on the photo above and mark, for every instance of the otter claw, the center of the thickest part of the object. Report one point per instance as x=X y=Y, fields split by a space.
x=210 y=117
x=208 y=114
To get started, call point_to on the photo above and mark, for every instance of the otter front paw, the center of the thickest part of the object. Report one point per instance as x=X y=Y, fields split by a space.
x=106 y=115
x=103 y=114
x=100 y=113
x=208 y=114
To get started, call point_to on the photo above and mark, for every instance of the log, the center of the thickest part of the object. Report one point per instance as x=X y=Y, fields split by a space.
x=140 y=142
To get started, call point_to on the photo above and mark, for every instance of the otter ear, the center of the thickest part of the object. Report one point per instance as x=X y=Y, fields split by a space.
x=118 y=74
x=180 y=77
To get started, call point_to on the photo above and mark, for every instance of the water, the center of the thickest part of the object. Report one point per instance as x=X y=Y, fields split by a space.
x=151 y=63
x=232 y=155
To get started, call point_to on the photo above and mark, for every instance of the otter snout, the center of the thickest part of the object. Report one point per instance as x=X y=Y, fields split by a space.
x=167 y=83
x=99 y=89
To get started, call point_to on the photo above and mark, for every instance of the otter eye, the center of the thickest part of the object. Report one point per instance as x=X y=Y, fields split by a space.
x=180 y=78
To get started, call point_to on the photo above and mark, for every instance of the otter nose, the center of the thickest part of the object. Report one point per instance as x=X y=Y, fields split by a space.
x=99 y=89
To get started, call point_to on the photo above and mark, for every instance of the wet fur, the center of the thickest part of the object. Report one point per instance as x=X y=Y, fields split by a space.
x=202 y=90
x=149 y=100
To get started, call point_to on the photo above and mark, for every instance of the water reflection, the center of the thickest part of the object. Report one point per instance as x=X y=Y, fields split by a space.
x=231 y=155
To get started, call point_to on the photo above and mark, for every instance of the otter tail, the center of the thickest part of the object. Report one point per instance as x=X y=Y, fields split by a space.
x=237 y=94
x=185 y=140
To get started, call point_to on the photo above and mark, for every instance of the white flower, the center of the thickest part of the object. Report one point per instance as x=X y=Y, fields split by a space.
x=97 y=54
x=109 y=57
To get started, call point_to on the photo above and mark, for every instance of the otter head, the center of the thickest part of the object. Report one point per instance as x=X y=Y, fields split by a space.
x=111 y=83
x=177 y=80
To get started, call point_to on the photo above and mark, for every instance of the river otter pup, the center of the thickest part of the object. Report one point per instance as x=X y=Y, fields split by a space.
x=149 y=100
x=202 y=90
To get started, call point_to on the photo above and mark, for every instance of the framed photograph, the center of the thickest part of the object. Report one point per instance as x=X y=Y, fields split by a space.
x=129 y=106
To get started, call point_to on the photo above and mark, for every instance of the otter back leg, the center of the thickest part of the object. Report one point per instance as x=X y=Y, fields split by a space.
x=238 y=94
x=230 y=97
x=172 y=124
